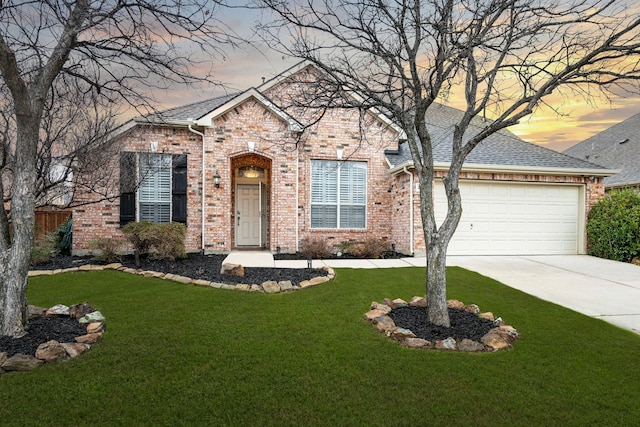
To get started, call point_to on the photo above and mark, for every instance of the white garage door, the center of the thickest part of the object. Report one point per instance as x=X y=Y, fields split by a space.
x=514 y=219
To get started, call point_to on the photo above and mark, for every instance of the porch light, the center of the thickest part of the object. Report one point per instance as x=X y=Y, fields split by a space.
x=251 y=173
x=216 y=179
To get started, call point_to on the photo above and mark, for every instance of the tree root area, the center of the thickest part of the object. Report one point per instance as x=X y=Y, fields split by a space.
x=463 y=324
x=41 y=330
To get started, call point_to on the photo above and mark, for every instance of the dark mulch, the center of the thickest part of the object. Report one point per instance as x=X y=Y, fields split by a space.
x=463 y=324
x=41 y=330
x=195 y=266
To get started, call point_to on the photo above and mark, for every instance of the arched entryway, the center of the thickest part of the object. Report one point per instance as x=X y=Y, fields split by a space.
x=251 y=201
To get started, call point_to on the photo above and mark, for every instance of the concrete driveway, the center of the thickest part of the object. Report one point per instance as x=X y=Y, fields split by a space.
x=600 y=288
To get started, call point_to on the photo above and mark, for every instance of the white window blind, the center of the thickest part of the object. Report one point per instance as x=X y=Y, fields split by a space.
x=338 y=194
x=154 y=193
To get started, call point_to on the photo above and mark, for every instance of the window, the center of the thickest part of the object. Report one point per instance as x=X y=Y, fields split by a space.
x=154 y=194
x=338 y=194
x=153 y=188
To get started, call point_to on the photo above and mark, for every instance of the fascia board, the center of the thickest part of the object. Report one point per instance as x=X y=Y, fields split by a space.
x=517 y=170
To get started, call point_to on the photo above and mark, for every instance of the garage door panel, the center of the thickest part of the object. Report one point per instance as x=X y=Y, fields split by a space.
x=510 y=218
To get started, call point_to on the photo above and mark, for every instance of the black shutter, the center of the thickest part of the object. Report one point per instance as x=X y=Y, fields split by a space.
x=127 y=188
x=179 y=188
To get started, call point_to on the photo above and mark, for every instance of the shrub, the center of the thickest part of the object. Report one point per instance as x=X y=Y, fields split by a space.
x=108 y=249
x=613 y=227
x=157 y=240
x=64 y=237
x=371 y=248
x=43 y=248
x=316 y=248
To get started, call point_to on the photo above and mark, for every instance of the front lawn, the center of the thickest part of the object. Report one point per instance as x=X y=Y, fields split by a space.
x=182 y=355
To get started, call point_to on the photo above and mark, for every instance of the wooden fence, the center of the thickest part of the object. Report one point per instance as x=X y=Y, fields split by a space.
x=48 y=221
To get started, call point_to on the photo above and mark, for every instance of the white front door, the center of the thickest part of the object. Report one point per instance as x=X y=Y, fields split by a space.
x=248 y=224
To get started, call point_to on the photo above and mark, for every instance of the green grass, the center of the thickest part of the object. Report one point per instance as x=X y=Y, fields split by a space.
x=181 y=355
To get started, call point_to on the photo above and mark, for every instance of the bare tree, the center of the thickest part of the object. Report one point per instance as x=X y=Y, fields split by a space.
x=112 y=50
x=502 y=57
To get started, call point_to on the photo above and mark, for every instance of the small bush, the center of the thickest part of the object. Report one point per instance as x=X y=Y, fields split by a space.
x=64 y=237
x=613 y=227
x=108 y=249
x=315 y=248
x=44 y=247
x=157 y=240
x=371 y=248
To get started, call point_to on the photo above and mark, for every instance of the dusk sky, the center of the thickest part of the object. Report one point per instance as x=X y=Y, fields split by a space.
x=245 y=67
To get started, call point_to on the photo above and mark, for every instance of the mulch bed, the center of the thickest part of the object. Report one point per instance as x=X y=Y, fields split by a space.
x=463 y=324
x=195 y=266
x=41 y=330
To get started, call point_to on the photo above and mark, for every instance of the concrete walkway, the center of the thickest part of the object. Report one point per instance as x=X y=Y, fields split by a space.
x=599 y=288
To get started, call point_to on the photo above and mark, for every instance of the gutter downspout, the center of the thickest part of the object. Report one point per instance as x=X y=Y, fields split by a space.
x=297 y=199
x=203 y=181
x=411 y=225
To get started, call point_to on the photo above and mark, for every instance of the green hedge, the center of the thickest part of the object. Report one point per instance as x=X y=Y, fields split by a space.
x=158 y=240
x=613 y=227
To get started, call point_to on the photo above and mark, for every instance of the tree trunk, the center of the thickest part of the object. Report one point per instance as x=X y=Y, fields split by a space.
x=15 y=257
x=437 y=312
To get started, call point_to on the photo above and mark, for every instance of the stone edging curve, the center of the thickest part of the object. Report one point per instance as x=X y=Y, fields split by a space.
x=268 y=287
x=54 y=351
x=501 y=337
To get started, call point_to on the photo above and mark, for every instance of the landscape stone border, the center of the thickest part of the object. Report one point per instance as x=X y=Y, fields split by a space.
x=54 y=351
x=501 y=337
x=268 y=287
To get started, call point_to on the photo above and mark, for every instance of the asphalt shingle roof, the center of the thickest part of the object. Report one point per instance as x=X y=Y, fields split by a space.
x=617 y=147
x=502 y=148
x=190 y=111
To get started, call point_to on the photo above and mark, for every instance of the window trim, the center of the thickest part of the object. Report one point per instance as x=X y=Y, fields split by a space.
x=339 y=196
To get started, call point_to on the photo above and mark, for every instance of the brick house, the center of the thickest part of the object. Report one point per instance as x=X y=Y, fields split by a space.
x=241 y=172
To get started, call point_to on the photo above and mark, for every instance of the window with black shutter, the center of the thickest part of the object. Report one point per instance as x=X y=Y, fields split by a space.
x=179 y=188
x=128 y=180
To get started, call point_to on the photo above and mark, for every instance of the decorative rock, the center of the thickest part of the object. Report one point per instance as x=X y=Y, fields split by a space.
x=470 y=345
x=90 y=338
x=216 y=285
x=21 y=362
x=94 y=316
x=181 y=279
x=69 y=270
x=472 y=308
x=385 y=324
x=285 y=285
x=36 y=273
x=35 y=312
x=51 y=351
x=508 y=333
x=416 y=342
x=95 y=327
x=113 y=266
x=399 y=302
x=448 y=344
x=57 y=310
x=243 y=287
x=373 y=314
x=494 y=340
x=401 y=333
x=227 y=287
x=381 y=307
x=201 y=282
x=79 y=310
x=256 y=288
x=454 y=303
x=488 y=315
x=389 y=303
x=3 y=358
x=232 y=270
x=418 y=302
x=271 y=287
x=75 y=349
